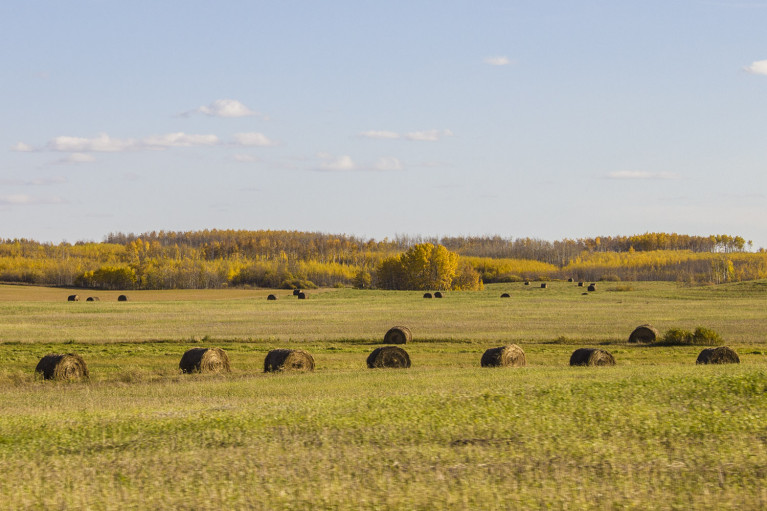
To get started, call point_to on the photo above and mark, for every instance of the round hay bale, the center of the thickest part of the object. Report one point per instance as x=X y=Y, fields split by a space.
x=592 y=287
x=527 y=283
x=720 y=355
x=388 y=356
x=570 y=280
x=644 y=333
x=301 y=295
x=122 y=298
x=427 y=295
x=205 y=360
x=591 y=357
x=92 y=299
x=580 y=284
x=73 y=298
x=58 y=366
x=296 y=291
x=398 y=335
x=288 y=360
x=271 y=297
x=505 y=295
x=544 y=285
x=437 y=295
x=504 y=356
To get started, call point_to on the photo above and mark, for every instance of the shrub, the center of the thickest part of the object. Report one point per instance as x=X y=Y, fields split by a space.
x=703 y=335
x=681 y=337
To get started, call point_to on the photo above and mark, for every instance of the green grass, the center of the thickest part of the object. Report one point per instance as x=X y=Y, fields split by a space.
x=654 y=432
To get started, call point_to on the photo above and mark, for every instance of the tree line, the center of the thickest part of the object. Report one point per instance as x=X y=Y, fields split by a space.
x=219 y=258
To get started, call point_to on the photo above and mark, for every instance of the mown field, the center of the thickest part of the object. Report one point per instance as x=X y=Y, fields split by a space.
x=654 y=432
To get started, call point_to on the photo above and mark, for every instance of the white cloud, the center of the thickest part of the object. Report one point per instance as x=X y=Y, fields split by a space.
x=106 y=144
x=429 y=135
x=245 y=158
x=102 y=143
x=497 y=61
x=76 y=158
x=758 y=67
x=21 y=147
x=226 y=108
x=388 y=163
x=34 y=182
x=340 y=163
x=380 y=134
x=22 y=199
x=253 y=139
x=638 y=174
x=417 y=136
x=179 y=139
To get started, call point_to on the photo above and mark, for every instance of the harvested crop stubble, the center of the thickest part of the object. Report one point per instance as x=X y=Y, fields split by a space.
x=288 y=360
x=398 y=335
x=720 y=355
x=644 y=333
x=57 y=366
x=591 y=357
x=388 y=356
x=504 y=356
x=205 y=360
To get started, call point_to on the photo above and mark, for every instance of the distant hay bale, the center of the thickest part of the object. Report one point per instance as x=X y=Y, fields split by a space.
x=122 y=298
x=591 y=357
x=271 y=297
x=580 y=284
x=544 y=285
x=438 y=295
x=288 y=360
x=388 y=356
x=296 y=291
x=592 y=287
x=720 y=355
x=644 y=333
x=570 y=279
x=504 y=356
x=92 y=299
x=73 y=298
x=505 y=295
x=527 y=283
x=205 y=360
x=58 y=366
x=398 y=335
x=427 y=295
x=301 y=295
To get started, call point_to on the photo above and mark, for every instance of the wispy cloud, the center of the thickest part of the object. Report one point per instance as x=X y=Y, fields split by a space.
x=336 y=163
x=388 y=163
x=497 y=61
x=417 y=136
x=179 y=139
x=103 y=143
x=75 y=159
x=22 y=199
x=638 y=174
x=21 y=147
x=34 y=182
x=758 y=67
x=245 y=158
x=227 y=108
x=253 y=139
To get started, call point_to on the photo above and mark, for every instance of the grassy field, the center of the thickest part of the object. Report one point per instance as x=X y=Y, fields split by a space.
x=654 y=432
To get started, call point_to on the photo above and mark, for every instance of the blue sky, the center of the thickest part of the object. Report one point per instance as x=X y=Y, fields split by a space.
x=519 y=118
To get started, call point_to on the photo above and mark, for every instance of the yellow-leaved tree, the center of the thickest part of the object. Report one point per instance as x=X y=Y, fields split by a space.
x=426 y=266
